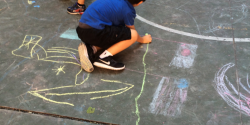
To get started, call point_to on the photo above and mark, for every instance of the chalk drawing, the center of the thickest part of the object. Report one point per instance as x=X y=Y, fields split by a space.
x=90 y=110
x=241 y=104
x=60 y=69
x=116 y=92
x=184 y=56
x=79 y=108
x=31 y=43
x=169 y=97
x=191 y=34
x=31 y=2
x=229 y=28
x=38 y=6
x=183 y=83
x=70 y=34
x=143 y=83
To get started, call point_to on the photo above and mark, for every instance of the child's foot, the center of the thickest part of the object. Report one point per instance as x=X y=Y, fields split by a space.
x=76 y=9
x=86 y=57
x=109 y=63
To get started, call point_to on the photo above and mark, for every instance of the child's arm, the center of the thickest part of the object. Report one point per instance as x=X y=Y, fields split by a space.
x=131 y=27
x=144 y=39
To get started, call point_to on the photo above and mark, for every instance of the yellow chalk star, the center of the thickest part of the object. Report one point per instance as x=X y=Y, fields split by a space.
x=60 y=69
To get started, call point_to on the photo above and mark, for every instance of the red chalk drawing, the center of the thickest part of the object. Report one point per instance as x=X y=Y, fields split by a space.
x=184 y=56
x=185 y=52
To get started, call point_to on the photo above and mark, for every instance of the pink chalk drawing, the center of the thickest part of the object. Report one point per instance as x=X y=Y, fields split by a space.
x=184 y=56
x=235 y=99
x=185 y=52
x=169 y=97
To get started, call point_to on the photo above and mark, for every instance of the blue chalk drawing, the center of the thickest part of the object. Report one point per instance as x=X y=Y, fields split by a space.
x=79 y=108
x=70 y=34
x=37 y=6
x=183 y=83
x=33 y=1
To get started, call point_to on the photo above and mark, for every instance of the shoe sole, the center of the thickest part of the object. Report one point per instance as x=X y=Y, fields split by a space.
x=84 y=60
x=101 y=65
x=80 y=13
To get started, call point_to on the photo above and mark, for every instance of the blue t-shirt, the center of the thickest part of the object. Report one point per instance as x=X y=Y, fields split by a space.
x=109 y=12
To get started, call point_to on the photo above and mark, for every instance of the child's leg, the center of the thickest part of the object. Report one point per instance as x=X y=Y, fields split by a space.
x=96 y=48
x=77 y=8
x=86 y=48
x=105 y=60
x=81 y=2
x=122 y=45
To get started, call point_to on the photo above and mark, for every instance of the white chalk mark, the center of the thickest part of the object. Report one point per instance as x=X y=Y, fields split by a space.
x=10 y=65
x=191 y=34
x=243 y=86
x=181 y=61
x=244 y=11
x=168 y=98
x=193 y=19
x=247 y=81
x=156 y=94
x=243 y=104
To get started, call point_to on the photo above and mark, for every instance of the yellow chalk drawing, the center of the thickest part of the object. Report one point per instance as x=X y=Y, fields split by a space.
x=229 y=28
x=30 y=2
x=60 y=69
x=90 y=110
x=30 y=43
x=116 y=92
x=30 y=40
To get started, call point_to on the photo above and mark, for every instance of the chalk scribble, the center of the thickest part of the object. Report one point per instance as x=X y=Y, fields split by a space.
x=241 y=104
x=169 y=97
x=184 y=56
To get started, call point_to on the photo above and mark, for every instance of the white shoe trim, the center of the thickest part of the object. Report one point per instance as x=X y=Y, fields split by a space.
x=101 y=65
x=74 y=13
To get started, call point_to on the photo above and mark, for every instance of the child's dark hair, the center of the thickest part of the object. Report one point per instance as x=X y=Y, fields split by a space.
x=135 y=1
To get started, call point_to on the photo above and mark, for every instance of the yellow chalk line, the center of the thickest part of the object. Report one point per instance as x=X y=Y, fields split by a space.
x=36 y=93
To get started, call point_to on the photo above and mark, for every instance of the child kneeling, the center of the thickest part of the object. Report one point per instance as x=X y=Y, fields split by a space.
x=109 y=25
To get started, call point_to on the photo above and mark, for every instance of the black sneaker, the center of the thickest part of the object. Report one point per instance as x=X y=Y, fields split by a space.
x=109 y=63
x=86 y=54
x=76 y=9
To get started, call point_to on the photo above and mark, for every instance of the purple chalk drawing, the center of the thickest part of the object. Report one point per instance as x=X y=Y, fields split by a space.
x=75 y=58
x=169 y=97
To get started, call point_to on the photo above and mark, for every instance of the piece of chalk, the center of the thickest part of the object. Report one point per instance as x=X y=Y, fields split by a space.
x=145 y=35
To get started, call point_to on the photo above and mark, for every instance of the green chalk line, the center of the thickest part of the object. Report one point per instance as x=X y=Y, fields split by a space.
x=143 y=82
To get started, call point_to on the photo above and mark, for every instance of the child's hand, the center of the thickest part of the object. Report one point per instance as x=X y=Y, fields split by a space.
x=147 y=38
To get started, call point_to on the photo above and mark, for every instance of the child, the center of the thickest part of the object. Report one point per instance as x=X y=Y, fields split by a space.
x=109 y=25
